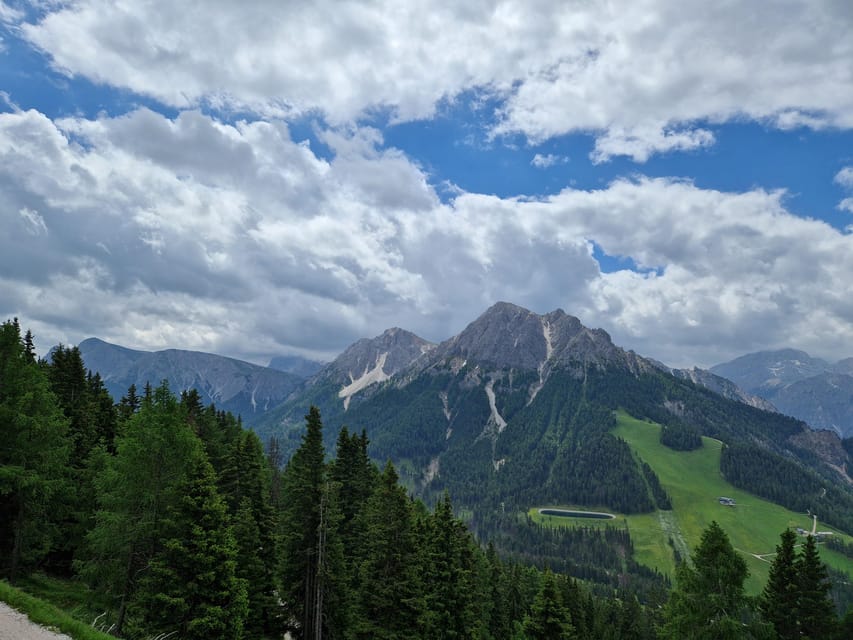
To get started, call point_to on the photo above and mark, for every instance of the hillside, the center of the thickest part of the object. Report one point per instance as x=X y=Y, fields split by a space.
x=694 y=482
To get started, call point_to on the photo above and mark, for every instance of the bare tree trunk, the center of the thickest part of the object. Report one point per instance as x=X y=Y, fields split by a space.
x=17 y=547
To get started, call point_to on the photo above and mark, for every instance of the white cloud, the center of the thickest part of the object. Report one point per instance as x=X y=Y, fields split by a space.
x=238 y=239
x=845 y=177
x=35 y=224
x=541 y=161
x=644 y=76
x=846 y=205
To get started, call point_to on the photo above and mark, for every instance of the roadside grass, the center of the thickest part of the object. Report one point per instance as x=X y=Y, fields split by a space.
x=694 y=483
x=50 y=614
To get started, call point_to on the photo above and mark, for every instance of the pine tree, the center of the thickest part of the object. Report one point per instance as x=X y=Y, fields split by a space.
x=389 y=587
x=709 y=600
x=779 y=602
x=303 y=482
x=135 y=491
x=449 y=584
x=192 y=587
x=815 y=611
x=34 y=450
x=548 y=618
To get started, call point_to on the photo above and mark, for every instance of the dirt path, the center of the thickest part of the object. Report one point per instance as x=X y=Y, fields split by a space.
x=15 y=625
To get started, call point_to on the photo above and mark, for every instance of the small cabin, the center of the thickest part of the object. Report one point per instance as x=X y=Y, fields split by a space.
x=729 y=502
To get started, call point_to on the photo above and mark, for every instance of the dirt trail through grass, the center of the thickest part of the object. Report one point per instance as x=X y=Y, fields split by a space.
x=15 y=625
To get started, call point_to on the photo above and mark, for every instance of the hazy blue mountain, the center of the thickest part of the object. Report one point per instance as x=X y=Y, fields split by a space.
x=798 y=385
x=765 y=372
x=233 y=385
x=297 y=365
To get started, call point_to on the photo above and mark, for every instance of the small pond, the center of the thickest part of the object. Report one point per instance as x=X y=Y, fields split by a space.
x=563 y=513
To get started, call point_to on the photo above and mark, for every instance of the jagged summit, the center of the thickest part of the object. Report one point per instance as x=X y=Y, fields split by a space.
x=509 y=336
x=373 y=360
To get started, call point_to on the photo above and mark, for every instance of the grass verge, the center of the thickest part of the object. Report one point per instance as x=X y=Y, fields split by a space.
x=48 y=615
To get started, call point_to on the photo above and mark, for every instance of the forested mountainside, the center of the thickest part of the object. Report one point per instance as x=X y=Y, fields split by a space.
x=797 y=384
x=242 y=388
x=181 y=526
x=518 y=408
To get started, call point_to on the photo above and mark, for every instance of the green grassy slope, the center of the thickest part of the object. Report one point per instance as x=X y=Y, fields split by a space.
x=694 y=483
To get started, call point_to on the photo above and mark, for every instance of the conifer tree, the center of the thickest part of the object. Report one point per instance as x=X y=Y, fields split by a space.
x=779 y=602
x=548 y=618
x=135 y=491
x=389 y=587
x=34 y=450
x=449 y=584
x=709 y=601
x=192 y=588
x=815 y=611
x=303 y=482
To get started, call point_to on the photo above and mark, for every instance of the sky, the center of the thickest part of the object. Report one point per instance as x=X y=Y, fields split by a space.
x=263 y=178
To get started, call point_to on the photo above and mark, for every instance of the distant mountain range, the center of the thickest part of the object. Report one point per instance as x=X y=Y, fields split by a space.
x=232 y=385
x=798 y=385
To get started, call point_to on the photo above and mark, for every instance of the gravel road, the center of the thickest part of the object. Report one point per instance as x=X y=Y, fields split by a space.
x=17 y=626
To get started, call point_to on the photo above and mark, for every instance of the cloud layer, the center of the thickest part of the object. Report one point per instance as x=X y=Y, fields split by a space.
x=645 y=76
x=236 y=238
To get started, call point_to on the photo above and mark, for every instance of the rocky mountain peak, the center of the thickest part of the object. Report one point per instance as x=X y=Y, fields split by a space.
x=509 y=336
x=395 y=347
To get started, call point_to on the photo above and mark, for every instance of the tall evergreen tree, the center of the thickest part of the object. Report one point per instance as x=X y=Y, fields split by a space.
x=548 y=618
x=779 y=602
x=34 y=450
x=709 y=602
x=389 y=586
x=303 y=482
x=191 y=587
x=815 y=611
x=448 y=571
x=135 y=491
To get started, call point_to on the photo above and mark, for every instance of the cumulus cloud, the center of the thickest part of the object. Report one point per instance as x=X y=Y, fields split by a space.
x=237 y=238
x=644 y=76
x=845 y=177
x=541 y=161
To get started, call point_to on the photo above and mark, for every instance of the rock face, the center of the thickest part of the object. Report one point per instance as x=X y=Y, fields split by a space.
x=396 y=348
x=233 y=385
x=799 y=385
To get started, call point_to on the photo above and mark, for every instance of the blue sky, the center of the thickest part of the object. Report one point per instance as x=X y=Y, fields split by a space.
x=264 y=179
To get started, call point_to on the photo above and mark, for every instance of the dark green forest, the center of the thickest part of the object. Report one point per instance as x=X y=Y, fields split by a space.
x=179 y=521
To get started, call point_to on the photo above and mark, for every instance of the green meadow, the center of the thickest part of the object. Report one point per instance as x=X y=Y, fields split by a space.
x=695 y=484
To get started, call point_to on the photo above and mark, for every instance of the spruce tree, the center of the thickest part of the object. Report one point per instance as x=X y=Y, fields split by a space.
x=390 y=590
x=303 y=482
x=709 y=601
x=191 y=587
x=816 y=611
x=34 y=450
x=548 y=618
x=135 y=491
x=779 y=602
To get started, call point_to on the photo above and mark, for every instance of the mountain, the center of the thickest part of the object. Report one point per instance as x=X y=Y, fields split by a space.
x=718 y=384
x=297 y=365
x=798 y=385
x=243 y=388
x=518 y=409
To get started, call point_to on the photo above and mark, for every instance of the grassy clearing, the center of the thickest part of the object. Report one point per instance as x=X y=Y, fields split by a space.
x=560 y=521
x=48 y=614
x=694 y=483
